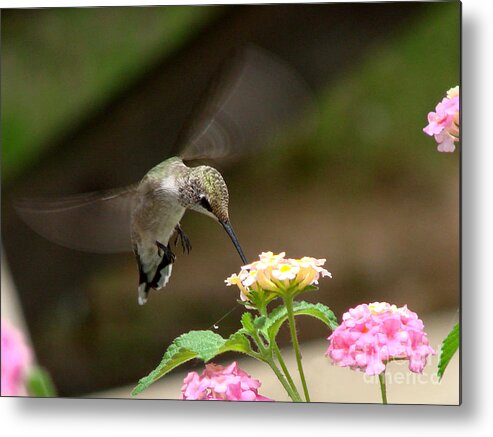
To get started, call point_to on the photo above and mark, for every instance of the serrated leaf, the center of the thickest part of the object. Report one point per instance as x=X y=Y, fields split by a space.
x=237 y=342
x=279 y=315
x=259 y=322
x=204 y=345
x=173 y=357
x=448 y=349
x=194 y=344
x=247 y=322
x=39 y=383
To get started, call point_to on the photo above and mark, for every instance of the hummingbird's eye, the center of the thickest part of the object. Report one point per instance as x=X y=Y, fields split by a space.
x=205 y=203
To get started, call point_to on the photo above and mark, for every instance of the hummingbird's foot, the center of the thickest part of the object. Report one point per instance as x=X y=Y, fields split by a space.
x=186 y=244
x=165 y=252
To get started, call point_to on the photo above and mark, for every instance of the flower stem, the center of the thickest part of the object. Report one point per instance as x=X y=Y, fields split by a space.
x=280 y=359
x=383 y=389
x=266 y=354
x=288 y=301
x=292 y=394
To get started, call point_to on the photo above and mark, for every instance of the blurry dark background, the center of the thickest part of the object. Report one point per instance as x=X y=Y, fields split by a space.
x=93 y=98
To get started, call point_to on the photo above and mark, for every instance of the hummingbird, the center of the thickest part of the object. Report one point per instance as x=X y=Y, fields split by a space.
x=250 y=99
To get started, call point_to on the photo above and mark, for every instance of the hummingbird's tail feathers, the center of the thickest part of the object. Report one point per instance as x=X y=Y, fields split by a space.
x=250 y=102
x=164 y=275
x=162 y=272
x=143 y=293
x=91 y=222
x=144 y=286
x=160 y=281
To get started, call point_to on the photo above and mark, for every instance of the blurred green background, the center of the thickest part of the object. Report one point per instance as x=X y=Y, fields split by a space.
x=59 y=64
x=92 y=98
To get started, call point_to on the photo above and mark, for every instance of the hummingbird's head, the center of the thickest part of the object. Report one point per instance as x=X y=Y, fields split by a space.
x=210 y=193
x=209 y=196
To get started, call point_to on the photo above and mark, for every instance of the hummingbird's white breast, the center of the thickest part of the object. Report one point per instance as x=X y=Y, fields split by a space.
x=155 y=217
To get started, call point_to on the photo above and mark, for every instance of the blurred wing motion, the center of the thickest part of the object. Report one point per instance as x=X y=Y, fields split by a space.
x=92 y=222
x=252 y=99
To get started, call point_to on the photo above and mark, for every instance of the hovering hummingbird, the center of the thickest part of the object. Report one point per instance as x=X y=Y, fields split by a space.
x=255 y=95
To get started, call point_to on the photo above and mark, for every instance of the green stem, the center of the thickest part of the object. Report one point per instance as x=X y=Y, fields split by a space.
x=383 y=389
x=292 y=394
x=288 y=301
x=279 y=357
x=266 y=355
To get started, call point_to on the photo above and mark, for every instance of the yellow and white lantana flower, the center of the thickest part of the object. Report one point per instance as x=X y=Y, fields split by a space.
x=277 y=274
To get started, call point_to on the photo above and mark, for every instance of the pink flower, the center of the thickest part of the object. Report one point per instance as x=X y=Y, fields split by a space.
x=444 y=123
x=221 y=383
x=371 y=335
x=16 y=357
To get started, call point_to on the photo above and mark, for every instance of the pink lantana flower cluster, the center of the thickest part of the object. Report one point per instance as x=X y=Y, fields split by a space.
x=372 y=335
x=274 y=273
x=16 y=358
x=221 y=383
x=443 y=124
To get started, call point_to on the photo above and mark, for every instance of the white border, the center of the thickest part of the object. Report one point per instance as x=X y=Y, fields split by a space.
x=138 y=418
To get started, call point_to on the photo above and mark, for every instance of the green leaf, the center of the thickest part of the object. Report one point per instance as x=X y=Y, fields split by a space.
x=448 y=349
x=259 y=322
x=173 y=357
x=39 y=383
x=207 y=344
x=237 y=342
x=247 y=322
x=204 y=345
x=194 y=344
x=279 y=315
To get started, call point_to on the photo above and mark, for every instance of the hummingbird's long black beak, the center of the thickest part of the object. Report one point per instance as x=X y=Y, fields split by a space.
x=227 y=227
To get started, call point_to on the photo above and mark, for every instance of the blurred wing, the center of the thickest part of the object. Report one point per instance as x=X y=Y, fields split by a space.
x=91 y=222
x=250 y=101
